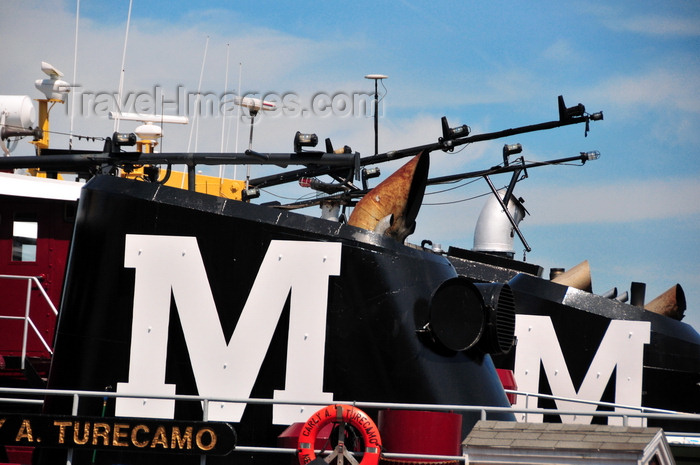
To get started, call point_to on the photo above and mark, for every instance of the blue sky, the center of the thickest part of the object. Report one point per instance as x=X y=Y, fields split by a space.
x=634 y=214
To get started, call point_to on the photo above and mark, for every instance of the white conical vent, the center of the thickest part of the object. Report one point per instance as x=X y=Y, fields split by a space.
x=493 y=232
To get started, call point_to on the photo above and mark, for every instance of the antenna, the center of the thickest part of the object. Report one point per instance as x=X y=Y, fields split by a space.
x=121 y=73
x=197 y=104
x=254 y=105
x=50 y=71
x=75 y=73
x=223 y=116
x=148 y=132
x=223 y=123
x=376 y=78
x=53 y=88
x=171 y=119
x=238 y=119
x=198 y=100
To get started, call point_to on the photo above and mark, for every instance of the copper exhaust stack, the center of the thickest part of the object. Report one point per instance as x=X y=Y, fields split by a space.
x=554 y=272
x=671 y=303
x=398 y=197
x=578 y=277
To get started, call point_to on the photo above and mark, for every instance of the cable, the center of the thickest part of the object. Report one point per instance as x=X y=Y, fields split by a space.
x=458 y=201
x=94 y=138
x=295 y=199
x=453 y=188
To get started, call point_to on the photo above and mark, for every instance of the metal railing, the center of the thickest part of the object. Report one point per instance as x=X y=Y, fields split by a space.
x=26 y=318
x=643 y=411
x=483 y=411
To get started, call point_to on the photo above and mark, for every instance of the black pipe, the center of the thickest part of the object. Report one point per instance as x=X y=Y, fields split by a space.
x=290 y=176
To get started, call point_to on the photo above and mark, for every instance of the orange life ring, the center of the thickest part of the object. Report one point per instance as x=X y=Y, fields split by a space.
x=335 y=413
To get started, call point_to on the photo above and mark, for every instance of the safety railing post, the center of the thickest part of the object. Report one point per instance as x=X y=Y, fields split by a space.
x=74 y=412
x=26 y=322
x=205 y=417
x=27 y=318
x=527 y=405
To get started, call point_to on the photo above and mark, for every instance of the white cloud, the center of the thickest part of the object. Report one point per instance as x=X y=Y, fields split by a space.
x=561 y=50
x=622 y=201
x=673 y=87
x=657 y=25
x=665 y=99
x=167 y=55
x=621 y=17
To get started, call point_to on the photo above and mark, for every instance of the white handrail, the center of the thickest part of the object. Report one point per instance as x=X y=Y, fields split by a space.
x=75 y=394
x=669 y=414
x=26 y=318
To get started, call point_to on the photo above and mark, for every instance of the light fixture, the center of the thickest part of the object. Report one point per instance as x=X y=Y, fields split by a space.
x=304 y=140
x=592 y=155
x=449 y=133
x=249 y=193
x=369 y=173
x=124 y=139
x=510 y=149
x=330 y=149
x=569 y=113
x=376 y=78
x=317 y=185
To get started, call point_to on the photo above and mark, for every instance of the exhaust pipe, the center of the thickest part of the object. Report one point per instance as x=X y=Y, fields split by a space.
x=554 y=272
x=637 y=294
x=400 y=196
x=494 y=232
x=671 y=303
x=578 y=277
x=611 y=294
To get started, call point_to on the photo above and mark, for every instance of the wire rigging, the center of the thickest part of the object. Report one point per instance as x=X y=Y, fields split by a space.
x=457 y=201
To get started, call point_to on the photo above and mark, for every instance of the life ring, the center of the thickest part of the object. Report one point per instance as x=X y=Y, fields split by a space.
x=337 y=413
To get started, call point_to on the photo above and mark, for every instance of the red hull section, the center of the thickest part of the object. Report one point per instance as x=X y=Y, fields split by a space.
x=43 y=256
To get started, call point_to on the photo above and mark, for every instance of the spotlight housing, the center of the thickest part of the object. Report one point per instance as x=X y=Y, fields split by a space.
x=369 y=173
x=567 y=114
x=510 y=149
x=449 y=133
x=304 y=140
x=330 y=149
x=124 y=139
x=250 y=193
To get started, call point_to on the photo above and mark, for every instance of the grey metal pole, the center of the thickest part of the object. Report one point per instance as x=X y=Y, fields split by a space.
x=376 y=118
x=376 y=78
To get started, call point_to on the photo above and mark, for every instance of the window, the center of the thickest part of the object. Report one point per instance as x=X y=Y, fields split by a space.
x=25 y=231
